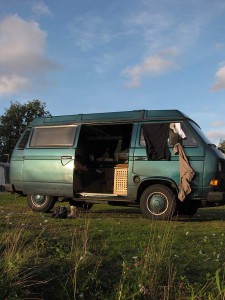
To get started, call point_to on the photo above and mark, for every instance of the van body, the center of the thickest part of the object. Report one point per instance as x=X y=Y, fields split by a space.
x=110 y=158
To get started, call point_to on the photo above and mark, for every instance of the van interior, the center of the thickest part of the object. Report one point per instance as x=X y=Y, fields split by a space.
x=101 y=159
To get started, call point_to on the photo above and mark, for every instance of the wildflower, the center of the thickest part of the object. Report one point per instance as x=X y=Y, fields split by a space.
x=81 y=296
x=200 y=252
x=207 y=259
x=46 y=221
x=142 y=289
x=187 y=233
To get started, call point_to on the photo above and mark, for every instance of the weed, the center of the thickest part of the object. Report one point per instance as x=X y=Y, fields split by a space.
x=110 y=253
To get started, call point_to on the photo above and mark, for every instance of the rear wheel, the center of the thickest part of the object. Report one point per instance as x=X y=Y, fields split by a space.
x=158 y=202
x=40 y=203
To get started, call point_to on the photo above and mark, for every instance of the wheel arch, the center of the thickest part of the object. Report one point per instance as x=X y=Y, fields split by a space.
x=156 y=180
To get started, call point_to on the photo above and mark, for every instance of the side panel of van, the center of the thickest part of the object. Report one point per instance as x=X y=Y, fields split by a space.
x=48 y=165
x=16 y=163
x=169 y=169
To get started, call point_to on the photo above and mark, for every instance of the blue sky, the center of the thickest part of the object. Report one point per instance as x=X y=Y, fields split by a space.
x=82 y=56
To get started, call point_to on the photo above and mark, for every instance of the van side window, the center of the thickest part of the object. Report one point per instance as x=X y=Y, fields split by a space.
x=189 y=140
x=178 y=133
x=23 y=142
x=60 y=136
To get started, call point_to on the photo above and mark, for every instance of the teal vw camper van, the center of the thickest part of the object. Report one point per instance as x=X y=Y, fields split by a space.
x=119 y=158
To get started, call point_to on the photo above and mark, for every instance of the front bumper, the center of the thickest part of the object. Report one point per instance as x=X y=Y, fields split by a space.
x=214 y=197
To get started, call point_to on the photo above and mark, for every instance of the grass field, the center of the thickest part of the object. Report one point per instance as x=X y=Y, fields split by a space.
x=110 y=253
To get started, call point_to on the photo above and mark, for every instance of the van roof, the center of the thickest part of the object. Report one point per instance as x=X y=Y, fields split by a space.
x=109 y=117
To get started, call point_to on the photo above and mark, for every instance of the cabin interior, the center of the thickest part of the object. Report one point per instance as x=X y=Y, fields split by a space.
x=101 y=159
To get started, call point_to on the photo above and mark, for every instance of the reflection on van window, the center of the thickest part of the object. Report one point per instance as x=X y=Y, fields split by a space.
x=53 y=136
x=178 y=133
x=24 y=140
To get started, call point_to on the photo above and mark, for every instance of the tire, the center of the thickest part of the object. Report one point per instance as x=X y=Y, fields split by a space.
x=158 y=202
x=40 y=203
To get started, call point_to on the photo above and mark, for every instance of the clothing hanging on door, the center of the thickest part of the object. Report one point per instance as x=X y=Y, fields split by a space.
x=156 y=137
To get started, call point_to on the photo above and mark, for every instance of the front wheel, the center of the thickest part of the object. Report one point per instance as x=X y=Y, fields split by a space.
x=40 y=203
x=158 y=202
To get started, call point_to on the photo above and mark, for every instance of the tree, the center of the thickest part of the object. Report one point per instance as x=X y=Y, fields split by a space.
x=222 y=145
x=15 y=120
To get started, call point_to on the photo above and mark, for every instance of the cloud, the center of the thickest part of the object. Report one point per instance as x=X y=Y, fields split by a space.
x=22 y=54
x=218 y=124
x=219 y=46
x=219 y=80
x=13 y=83
x=40 y=8
x=216 y=135
x=151 y=66
x=90 y=31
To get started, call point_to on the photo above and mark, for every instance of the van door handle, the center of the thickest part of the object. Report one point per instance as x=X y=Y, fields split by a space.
x=140 y=158
x=65 y=160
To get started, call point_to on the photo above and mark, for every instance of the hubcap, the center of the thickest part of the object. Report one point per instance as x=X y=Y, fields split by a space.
x=38 y=200
x=157 y=203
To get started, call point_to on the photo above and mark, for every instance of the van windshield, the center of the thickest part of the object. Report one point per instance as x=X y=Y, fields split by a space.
x=200 y=133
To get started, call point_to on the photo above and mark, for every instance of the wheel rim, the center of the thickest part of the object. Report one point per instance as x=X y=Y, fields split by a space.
x=38 y=200
x=157 y=203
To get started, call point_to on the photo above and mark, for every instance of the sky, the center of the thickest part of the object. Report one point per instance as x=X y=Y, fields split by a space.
x=85 y=56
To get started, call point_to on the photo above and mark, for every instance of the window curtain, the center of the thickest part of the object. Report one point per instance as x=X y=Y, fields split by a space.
x=156 y=137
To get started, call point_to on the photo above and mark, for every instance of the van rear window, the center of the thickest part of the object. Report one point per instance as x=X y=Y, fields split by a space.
x=60 y=136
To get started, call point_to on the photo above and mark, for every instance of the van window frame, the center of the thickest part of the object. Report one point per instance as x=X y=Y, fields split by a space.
x=24 y=139
x=186 y=127
x=53 y=145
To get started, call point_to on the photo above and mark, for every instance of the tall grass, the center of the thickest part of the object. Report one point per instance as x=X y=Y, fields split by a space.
x=83 y=265
x=66 y=259
x=152 y=275
x=17 y=268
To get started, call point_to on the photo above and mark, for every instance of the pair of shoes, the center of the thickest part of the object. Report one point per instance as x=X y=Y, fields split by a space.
x=60 y=212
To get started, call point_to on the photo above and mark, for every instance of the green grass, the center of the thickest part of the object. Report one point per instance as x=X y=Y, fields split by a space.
x=110 y=253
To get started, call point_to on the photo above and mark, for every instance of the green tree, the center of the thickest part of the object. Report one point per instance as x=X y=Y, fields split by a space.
x=14 y=121
x=222 y=145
